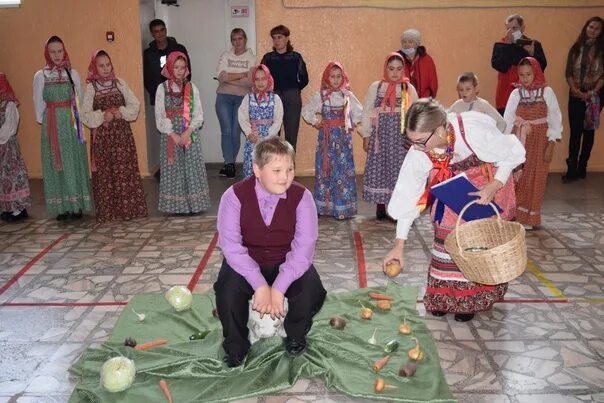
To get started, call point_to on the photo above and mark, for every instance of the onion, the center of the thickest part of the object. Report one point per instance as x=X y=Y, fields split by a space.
x=180 y=298
x=117 y=374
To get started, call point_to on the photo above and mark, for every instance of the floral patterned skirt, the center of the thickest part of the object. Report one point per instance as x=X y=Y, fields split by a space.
x=14 y=184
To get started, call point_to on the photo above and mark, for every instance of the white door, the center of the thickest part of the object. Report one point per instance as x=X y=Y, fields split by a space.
x=204 y=27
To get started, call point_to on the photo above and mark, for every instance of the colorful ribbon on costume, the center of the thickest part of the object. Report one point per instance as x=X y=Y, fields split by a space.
x=51 y=128
x=404 y=104
x=442 y=174
x=327 y=125
x=188 y=106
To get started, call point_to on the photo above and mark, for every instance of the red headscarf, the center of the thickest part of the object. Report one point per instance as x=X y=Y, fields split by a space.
x=6 y=91
x=50 y=65
x=260 y=95
x=390 y=96
x=539 y=77
x=326 y=88
x=93 y=73
x=168 y=70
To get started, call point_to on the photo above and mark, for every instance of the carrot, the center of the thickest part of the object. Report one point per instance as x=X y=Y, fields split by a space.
x=149 y=344
x=380 y=297
x=164 y=387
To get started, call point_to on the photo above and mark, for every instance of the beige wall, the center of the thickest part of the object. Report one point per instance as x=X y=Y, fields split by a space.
x=82 y=25
x=458 y=40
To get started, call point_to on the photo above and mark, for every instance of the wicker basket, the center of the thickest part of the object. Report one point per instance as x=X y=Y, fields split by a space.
x=488 y=251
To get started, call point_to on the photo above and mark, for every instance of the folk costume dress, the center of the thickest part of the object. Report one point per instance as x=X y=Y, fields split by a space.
x=479 y=149
x=64 y=160
x=533 y=115
x=14 y=184
x=383 y=123
x=261 y=112
x=116 y=181
x=335 y=191
x=183 y=187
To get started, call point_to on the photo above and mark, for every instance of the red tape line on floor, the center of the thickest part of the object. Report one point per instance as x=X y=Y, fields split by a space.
x=69 y=304
x=360 y=253
x=30 y=264
x=202 y=264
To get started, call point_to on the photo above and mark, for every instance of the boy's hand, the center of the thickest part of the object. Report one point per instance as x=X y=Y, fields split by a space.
x=262 y=300
x=277 y=310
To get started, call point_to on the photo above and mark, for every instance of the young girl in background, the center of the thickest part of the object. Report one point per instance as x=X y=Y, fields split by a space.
x=14 y=185
x=108 y=108
x=467 y=89
x=183 y=187
x=382 y=131
x=335 y=111
x=64 y=161
x=533 y=115
x=260 y=114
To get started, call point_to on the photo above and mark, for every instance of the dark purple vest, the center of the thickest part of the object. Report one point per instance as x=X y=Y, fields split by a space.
x=267 y=245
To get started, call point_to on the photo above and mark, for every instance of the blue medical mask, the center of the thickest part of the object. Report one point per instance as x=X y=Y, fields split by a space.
x=516 y=35
x=409 y=51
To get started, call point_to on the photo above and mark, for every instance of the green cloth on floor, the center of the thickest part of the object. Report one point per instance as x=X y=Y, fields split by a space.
x=195 y=372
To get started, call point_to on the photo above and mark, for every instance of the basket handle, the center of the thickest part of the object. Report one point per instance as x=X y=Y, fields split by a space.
x=459 y=217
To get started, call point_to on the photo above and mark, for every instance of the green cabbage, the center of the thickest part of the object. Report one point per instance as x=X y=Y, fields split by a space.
x=117 y=374
x=180 y=298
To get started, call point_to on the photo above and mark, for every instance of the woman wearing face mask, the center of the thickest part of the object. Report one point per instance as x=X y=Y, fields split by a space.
x=585 y=77
x=419 y=66
x=64 y=161
x=108 y=107
x=234 y=83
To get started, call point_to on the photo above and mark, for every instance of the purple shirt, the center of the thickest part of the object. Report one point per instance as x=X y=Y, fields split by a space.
x=297 y=260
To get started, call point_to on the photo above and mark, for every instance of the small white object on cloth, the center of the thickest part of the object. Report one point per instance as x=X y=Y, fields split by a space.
x=265 y=327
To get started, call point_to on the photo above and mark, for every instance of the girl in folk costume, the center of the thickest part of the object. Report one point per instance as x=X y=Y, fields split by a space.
x=183 y=187
x=14 y=184
x=260 y=114
x=64 y=161
x=382 y=132
x=108 y=107
x=533 y=115
x=443 y=146
x=335 y=111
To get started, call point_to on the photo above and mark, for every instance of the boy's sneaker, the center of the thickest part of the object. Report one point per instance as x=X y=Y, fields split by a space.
x=230 y=171
x=223 y=171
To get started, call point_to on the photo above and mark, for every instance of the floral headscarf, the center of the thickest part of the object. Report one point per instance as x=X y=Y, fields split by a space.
x=390 y=96
x=260 y=95
x=326 y=88
x=539 y=77
x=6 y=91
x=93 y=73
x=168 y=70
x=50 y=65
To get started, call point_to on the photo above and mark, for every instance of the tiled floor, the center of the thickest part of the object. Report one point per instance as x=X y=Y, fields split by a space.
x=545 y=343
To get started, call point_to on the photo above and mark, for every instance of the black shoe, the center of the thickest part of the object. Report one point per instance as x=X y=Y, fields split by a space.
x=19 y=217
x=75 y=216
x=381 y=215
x=6 y=216
x=62 y=216
x=463 y=317
x=582 y=172
x=295 y=347
x=438 y=314
x=569 y=177
x=233 y=360
x=223 y=170
x=231 y=172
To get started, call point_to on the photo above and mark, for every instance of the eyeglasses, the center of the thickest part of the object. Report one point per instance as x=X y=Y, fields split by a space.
x=423 y=142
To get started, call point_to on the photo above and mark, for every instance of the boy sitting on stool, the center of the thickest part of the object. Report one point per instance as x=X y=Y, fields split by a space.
x=268 y=248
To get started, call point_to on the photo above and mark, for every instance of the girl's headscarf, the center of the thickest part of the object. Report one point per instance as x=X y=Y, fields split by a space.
x=168 y=70
x=539 y=77
x=50 y=65
x=93 y=73
x=390 y=96
x=326 y=88
x=6 y=91
x=270 y=82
